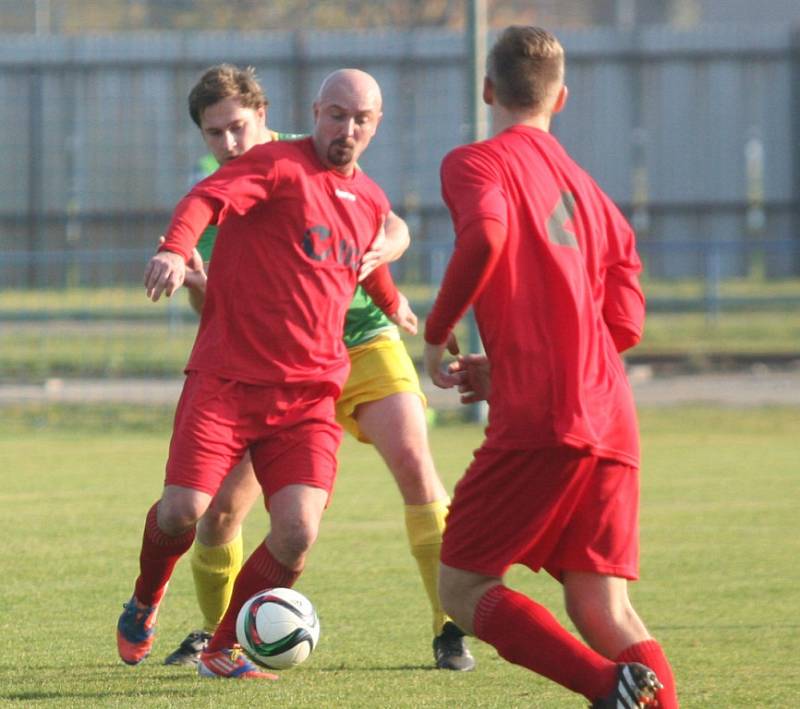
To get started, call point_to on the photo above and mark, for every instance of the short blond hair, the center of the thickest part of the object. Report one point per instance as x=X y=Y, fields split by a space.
x=523 y=65
x=226 y=81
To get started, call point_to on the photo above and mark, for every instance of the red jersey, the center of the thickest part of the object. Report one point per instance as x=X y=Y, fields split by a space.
x=556 y=292
x=291 y=236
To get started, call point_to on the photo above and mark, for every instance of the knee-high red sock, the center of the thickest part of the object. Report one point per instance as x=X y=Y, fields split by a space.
x=649 y=653
x=527 y=634
x=157 y=559
x=260 y=571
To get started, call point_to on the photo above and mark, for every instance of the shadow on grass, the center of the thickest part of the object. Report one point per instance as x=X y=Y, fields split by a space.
x=34 y=695
x=176 y=684
x=363 y=668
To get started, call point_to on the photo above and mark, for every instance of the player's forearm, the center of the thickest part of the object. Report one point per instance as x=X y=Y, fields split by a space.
x=473 y=261
x=380 y=286
x=195 y=283
x=398 y=237
x=197 y=298
x=190 y=217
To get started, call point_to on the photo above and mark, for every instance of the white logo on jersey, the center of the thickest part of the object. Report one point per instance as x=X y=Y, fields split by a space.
x=342 y=194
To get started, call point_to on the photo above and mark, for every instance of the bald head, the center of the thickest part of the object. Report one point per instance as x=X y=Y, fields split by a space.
x=347 y=112
x=352 y=82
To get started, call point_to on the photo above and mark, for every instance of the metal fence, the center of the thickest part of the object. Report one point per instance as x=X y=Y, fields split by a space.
x=695 y=134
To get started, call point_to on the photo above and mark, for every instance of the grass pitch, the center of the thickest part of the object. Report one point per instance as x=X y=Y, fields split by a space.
x=109 y=332
x=719 y=582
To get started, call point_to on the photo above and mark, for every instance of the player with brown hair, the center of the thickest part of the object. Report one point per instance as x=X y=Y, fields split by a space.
x=295 y=218
x=551 y=268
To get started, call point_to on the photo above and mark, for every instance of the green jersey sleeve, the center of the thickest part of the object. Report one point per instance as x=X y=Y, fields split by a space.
x=206 y=166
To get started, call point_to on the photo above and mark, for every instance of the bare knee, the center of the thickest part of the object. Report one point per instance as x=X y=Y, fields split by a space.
x=218 y=526
x=460 y=592
x=232 y=503
x=295 y=514
x=397 y=427
x=178 y=513
x=290 y=542
x=414 y=472
x=450 y=594
x=409 y=466
x=602 y=612
x=590 y=614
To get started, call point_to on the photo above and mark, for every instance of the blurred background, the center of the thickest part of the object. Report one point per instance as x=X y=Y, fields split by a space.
x=687 y=112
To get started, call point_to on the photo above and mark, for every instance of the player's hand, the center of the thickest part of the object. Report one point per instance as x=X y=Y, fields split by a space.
x=164 y=274
x=474 y=377
x=404 y=317
x=433 y=356
x=377 y=254
x=196 y=276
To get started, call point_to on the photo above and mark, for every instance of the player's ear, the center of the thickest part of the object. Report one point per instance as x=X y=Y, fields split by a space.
x=488 y=91
x=315 y=110
x=561 y=99
x=261 y=112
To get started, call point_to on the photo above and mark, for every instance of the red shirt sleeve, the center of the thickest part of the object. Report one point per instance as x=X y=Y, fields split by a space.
x=623 y=310
x=241 y=184
x=471 y=187
x=477 y=251
x=472 y=190
x=380 y=286
x=623 y=300
x=236 y=186
x=191 y=216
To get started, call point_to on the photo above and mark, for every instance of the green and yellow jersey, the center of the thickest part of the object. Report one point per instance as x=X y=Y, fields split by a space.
x=364 y=320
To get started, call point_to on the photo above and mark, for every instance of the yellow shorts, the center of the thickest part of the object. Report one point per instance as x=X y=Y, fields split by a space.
x=378 y=368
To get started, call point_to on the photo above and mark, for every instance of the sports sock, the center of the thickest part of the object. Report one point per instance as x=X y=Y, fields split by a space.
x=260 y=571
x=424 y=527
x=214 y=569
x=649 y=653
x=527 y=634
x=157 y=559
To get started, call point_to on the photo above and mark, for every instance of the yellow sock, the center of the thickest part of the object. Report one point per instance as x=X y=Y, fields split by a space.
x=424 y=526
x=214 y=570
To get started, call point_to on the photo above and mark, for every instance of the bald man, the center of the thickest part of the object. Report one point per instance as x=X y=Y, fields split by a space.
x=382 y=403
x=294 y=219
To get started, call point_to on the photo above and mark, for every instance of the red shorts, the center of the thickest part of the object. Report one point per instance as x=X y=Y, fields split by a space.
x=552 y=508
x=291 y=433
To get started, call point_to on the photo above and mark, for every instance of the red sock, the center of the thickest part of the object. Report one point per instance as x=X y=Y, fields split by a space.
x=157 y=559
x=527 y=634
x=260 y=571
x=649 y=653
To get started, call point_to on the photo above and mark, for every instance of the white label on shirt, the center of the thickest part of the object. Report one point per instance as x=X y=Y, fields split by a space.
x=342 y=194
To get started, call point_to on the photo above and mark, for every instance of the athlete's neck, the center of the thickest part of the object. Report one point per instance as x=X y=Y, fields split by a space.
x=267 y=136
x=502 y=118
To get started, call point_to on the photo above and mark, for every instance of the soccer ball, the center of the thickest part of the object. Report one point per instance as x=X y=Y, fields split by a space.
x=278 y=628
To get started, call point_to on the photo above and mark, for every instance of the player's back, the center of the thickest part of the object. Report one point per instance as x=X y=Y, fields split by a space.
x=556 y=375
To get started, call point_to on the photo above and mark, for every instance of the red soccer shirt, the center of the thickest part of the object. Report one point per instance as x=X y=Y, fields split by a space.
x=563 y=288
x=291 y=236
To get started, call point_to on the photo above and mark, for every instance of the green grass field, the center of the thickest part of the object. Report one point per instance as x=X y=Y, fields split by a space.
x=111 y=331
x=720 y=580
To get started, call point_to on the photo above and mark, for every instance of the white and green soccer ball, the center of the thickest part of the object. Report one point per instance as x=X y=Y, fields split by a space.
x=278 y=628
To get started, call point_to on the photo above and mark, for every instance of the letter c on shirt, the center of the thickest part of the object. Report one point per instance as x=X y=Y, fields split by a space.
x=314 y=244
